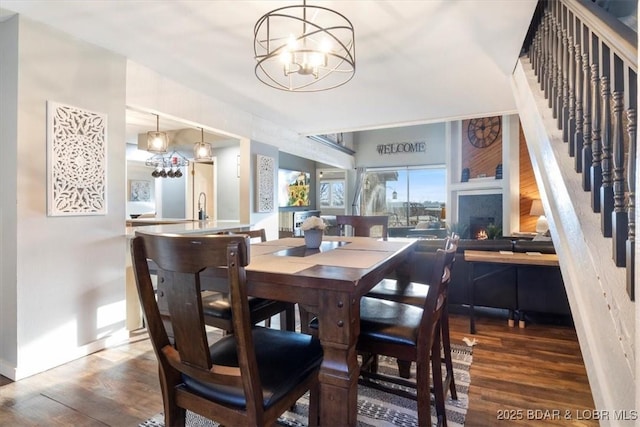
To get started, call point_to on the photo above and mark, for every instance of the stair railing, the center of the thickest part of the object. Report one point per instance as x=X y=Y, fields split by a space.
x=585 y=61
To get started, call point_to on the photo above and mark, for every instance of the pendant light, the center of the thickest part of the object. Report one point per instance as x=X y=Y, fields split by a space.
x=202 y=150
x=157 y=142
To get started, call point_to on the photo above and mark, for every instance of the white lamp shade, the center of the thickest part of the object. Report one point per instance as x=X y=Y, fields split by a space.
x=536 y=208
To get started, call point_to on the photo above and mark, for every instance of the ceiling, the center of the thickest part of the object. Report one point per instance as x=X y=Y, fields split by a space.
x=417 y=61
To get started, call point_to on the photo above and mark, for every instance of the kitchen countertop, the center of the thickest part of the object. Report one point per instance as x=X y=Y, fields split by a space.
x=159 y=226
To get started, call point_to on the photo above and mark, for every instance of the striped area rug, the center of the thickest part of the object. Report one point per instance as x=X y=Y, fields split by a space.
x=375 y=408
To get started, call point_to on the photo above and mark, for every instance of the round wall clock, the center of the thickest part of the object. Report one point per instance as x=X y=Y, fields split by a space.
x=484 y=132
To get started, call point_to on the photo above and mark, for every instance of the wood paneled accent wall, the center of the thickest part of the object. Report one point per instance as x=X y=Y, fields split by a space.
x=480 y=160
x=484 y=161
x=528 y=188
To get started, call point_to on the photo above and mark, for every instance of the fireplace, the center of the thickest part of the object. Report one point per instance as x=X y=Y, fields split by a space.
x=476 y=211
x=478 y=226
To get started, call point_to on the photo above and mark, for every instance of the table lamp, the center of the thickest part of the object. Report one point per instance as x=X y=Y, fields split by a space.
x=542 y=226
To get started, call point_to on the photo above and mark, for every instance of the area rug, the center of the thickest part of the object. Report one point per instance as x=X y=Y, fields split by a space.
x=375 y=408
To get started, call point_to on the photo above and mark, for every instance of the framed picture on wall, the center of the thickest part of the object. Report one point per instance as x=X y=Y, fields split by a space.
x=139 y=190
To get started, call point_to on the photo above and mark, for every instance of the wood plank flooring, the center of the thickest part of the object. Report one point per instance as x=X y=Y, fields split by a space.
x=534 y=375
x=537 y=369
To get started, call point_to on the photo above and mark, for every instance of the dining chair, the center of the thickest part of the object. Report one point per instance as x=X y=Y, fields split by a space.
x=217 y=308
x=415 y=293
x=362 y=225
x=249 y=377
x=410 y=333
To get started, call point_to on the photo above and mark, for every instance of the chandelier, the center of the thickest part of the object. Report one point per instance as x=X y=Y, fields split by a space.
x=167 y=166
x=304 y=48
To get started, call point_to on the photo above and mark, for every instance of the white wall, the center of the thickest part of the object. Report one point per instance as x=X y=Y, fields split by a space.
x=68 y=272
x=228 y=183
x=8 y=194
x=433 y=135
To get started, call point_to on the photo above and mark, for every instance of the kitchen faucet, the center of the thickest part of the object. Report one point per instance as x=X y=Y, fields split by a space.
x=202 y=214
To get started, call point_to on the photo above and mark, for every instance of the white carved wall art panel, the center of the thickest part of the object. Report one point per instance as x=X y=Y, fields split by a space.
x=265 y=180
x=76 y=161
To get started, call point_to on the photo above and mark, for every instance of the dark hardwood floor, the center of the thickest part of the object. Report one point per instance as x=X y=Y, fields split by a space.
x=523 y=375
x=530 y=376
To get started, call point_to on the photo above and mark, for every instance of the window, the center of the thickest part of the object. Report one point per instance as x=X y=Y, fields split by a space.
x=332 y=194
x=408 y=195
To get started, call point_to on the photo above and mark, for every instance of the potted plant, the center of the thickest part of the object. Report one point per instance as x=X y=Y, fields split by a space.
x=313 y=228
x=460 y=229
x=494 y=231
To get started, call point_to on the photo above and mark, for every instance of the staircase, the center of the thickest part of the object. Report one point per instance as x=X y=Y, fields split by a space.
x=576 y=90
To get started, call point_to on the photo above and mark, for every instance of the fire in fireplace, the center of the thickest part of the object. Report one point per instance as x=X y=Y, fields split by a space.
x=478 y=226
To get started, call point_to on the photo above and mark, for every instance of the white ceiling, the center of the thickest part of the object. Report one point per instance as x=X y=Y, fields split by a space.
x=418 y=61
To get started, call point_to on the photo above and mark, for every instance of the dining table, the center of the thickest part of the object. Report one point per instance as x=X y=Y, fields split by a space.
x=329 y=282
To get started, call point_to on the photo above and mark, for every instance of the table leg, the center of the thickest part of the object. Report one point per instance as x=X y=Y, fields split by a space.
x=339 y=326
x=472 y=297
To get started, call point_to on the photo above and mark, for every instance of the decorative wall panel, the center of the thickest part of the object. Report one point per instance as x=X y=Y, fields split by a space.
x=265 y=185
x=76 y=161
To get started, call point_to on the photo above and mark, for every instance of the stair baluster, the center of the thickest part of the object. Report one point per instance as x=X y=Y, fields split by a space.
x=548 y=57
x=572 y=98
x=619 y=219
x=596 y=142
x=606 y=191
x=587 y=154
x=563 y=120
x=631 y=180
x=577 y=150
x=553 y=78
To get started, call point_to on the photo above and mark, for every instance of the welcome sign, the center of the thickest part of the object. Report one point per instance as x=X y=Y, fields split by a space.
x=402 y=147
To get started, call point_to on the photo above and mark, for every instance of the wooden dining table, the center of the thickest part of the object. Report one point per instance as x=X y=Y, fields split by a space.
x=329 y=281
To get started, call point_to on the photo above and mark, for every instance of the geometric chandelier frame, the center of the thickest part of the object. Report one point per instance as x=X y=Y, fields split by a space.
x=304 y=48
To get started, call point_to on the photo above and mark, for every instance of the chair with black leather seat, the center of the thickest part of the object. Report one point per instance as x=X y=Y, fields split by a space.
x=362 y=225
x=410 y=333
x=415 y=293
x=249 y=377
x=217 y=309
